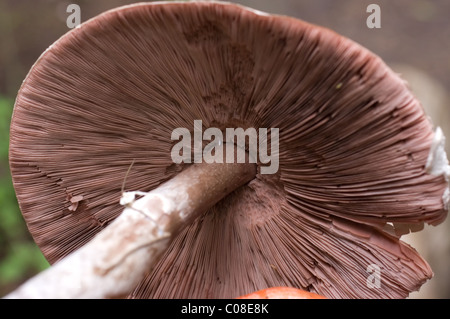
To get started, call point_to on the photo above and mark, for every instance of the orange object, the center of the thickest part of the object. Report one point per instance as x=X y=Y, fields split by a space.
x=282 y=293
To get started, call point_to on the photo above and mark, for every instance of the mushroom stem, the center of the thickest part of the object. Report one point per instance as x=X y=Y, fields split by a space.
x=119 y=257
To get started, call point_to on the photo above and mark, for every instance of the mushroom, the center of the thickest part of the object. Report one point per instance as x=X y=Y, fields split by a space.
x=281 y=293
x=353 y=150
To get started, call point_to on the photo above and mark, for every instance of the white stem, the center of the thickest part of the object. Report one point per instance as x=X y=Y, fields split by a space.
x=119 y=257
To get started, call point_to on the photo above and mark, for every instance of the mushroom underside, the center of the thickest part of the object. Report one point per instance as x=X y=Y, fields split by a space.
x=353 y=144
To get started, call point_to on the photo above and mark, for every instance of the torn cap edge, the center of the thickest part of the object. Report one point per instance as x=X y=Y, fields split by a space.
x=437 y=162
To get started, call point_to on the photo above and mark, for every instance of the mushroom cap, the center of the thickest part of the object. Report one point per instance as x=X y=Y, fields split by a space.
x=353 y=147
x=281 y=293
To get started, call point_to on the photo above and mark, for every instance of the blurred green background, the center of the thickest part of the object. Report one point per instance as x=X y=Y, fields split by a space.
x=414 y=40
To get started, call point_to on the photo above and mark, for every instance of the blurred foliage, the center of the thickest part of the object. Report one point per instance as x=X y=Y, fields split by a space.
x=23 y=258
